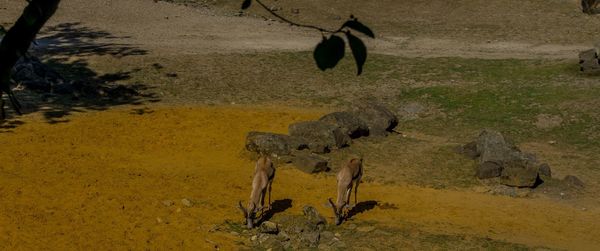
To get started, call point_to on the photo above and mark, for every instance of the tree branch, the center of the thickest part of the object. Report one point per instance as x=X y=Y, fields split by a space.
x=16 y=42
x=323 y=30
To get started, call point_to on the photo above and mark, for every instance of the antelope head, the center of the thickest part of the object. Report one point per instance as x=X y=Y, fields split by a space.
x=338 y=212
x=248 y=215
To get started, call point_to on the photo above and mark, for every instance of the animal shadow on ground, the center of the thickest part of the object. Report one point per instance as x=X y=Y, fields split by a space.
x=361 y=207
x=277 y=206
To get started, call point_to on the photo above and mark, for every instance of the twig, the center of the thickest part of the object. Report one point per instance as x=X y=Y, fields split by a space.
x=323 y=30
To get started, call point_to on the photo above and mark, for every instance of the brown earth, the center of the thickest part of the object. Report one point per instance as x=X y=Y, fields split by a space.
x=99 y=182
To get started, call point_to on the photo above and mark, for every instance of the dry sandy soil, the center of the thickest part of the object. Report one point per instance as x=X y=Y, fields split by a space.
x=98 y=179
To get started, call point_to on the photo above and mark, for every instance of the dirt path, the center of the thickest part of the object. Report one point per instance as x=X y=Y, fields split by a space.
x=99 y=181
x=169 y=29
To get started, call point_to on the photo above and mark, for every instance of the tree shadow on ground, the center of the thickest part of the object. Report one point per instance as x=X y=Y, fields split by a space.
x=65 y=48
x=361 y=207
x=74 y=39
x=278 y=206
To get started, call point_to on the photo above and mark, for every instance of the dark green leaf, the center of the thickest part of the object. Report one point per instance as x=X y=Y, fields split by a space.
x=358 y=26
x=329 y=52
x=359 y=51
x=246 y=4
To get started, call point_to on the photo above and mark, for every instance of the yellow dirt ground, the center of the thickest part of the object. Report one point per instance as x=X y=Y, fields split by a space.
x=98 y=182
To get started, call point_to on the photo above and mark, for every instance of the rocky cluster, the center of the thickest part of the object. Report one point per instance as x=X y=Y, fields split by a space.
x=309 y=231
x=498 y=157
x=333 y=131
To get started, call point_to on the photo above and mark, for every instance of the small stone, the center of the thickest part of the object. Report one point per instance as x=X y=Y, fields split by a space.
x=168 y=203
x=324 y=246
x=283 y=236
x=365 y=229
x=186 y=202
x=314 y=219
x=544 y=170
x=350 y=226
x=552 y=142
x=234 y=233
x=311 y=237
x=573 y=181
x=337 y=235
x=158 y=220
x=327 y=235
x=254 y=238
x=268 y=227
x=178 y=210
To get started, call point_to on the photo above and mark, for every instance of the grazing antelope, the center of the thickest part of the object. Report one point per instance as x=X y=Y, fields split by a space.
x=264 y=172
x=589 y=6
x=350 y=174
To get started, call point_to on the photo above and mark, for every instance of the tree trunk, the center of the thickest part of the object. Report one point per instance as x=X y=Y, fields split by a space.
x=17 y=40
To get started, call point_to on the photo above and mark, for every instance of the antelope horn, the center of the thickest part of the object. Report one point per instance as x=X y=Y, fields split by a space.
x=243 y=209
x=332 y=205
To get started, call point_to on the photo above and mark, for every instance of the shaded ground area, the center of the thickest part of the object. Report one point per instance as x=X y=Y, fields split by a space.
x=63 y=49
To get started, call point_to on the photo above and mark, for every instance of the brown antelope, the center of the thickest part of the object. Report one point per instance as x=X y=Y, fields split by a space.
x=349 y=175
x=264 y=172
x=589 y=6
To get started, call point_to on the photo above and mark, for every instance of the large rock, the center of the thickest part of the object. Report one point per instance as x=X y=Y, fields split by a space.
x=351 y=124
x=319 y=136
x=379 y=119
x=520 y=170
x=493 y=147
x=270 y=143
x=488 y=170
x=310 y=163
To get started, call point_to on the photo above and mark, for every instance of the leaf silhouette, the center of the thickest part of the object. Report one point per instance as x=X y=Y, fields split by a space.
x=329 y=52
x=360 y=27
x=359 y=51
x=246 y=4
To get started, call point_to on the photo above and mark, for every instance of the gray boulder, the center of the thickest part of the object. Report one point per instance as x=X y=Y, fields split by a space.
x=493 y=147
x=310 y=163
x=349 y=123
x=520 y=170
x=379 y=119
x=488 y=170
x=319 y=136
x=270 y=143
